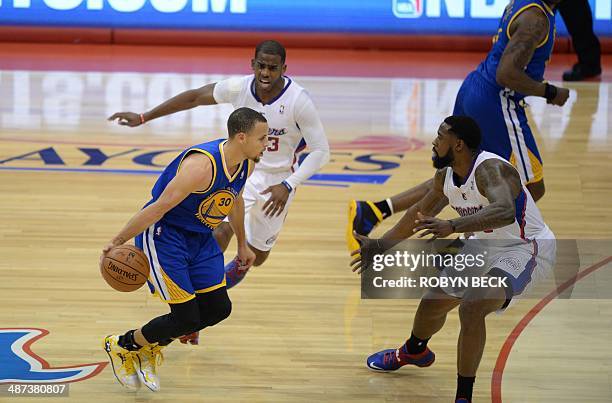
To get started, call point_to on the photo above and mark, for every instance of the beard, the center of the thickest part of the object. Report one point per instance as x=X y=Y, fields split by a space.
x=442 y=162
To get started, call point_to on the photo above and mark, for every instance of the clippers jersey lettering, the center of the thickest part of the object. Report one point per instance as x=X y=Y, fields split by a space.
x=284 y=136
x=204 y=210
x=536 y=66
x=466 y=200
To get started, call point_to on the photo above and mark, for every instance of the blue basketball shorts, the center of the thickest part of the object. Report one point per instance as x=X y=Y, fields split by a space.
x=503 y=123
x=183 y=263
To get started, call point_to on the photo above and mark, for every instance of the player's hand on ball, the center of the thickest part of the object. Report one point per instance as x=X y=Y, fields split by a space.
x=105 y=250
x=432 y=226
x=109 y=246
x=561 y=98
x=130 y=119
x=246 y=256
x=275 y=205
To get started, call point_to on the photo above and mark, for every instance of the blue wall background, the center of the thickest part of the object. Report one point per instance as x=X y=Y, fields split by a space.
x=460 y=17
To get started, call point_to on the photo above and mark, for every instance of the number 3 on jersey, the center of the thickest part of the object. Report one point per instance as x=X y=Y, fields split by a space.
x=272 y=144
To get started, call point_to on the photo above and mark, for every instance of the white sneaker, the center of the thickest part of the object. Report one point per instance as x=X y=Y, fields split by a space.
x=122 y=363
x=147 y=359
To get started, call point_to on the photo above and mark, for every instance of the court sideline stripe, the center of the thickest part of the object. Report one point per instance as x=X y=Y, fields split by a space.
x=504 y=353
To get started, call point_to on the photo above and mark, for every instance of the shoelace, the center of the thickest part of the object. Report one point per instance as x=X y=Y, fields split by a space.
x=155 y=354
x=127 y=362
x=390 y=357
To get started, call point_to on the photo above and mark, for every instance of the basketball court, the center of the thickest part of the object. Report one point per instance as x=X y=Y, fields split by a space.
x=299 y=331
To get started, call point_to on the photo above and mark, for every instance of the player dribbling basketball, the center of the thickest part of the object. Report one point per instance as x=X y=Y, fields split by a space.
x=192 y=196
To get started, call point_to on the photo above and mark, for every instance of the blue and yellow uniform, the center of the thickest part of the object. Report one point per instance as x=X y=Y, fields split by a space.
x=500 y=112
x=183 y=254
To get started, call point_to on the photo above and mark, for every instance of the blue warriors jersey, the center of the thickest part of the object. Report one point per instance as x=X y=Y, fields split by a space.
x=537 y=64
x=204 y=210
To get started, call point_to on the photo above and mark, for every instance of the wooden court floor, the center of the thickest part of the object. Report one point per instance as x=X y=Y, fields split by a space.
x=299 y=330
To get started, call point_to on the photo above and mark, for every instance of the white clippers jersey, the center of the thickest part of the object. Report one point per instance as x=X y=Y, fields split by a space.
x=467 y=200
x=284 y=136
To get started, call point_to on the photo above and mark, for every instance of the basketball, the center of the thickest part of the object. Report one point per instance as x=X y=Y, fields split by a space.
x=125 y=268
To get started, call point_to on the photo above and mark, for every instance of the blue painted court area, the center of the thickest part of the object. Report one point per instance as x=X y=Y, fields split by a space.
x=335 y=180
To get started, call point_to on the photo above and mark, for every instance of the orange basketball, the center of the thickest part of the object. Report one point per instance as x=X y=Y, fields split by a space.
x=125 y=268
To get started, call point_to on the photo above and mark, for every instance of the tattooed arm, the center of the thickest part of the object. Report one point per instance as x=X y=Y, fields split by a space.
x=527 y=31
x=430 y=205
x=500 y=183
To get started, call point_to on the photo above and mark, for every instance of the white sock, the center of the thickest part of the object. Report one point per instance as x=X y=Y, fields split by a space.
x=390 y=204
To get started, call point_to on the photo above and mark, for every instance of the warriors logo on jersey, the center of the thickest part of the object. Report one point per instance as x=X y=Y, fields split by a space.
x=216 y=207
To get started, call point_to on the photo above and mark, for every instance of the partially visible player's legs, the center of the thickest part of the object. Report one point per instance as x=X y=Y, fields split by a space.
x=224 y=233
x=529 y=158
x=472 y=337
x=518 y=267
x=235 y=273
x=206 y=309
x=195 y=293
x=122 y=351
x=139 y=350
x=215 y=306
x=507 y=133
x=429 y=319
x=431 y=313
x=146 y=344
x=261 y=231
x=218 y=306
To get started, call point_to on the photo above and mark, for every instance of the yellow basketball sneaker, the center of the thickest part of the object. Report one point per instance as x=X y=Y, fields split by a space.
x=363 y=217
x=122 y=363
x=147 y=359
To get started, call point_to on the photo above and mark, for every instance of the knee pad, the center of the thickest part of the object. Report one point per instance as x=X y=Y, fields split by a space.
x=215 y=311
x=184 y=317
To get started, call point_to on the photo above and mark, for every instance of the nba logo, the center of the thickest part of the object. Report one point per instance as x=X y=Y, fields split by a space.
x=408 y=8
